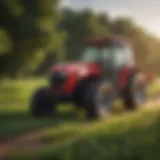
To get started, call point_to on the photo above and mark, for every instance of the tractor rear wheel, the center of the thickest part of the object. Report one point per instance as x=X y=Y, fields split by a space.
x=134 y=94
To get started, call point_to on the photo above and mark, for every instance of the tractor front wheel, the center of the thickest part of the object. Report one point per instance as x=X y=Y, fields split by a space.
x=41 y=103
x=97 y=101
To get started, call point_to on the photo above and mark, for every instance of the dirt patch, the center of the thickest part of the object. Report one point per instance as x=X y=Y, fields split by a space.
x=28 y=141
x=153 y=103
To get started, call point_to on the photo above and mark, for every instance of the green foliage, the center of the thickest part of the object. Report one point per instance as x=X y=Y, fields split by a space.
x=79 y=27
x=27 y=26
x=5 y=42
x=35 y=34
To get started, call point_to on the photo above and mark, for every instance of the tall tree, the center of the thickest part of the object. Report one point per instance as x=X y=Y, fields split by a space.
x=30 y=31
x=80 y=26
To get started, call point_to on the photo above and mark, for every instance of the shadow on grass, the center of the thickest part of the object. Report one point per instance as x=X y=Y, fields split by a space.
x=133 y=137
x=16 y=123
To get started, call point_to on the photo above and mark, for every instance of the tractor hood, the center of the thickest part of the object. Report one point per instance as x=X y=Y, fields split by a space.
x=79 y=68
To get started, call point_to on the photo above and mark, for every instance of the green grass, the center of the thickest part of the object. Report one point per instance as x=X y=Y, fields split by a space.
x=15 y=118
x=127 y=136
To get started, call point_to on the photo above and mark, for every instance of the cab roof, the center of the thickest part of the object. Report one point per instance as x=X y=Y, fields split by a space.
x=107 y=41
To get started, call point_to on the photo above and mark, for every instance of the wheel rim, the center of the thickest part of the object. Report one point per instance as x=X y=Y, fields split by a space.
x=139 y=93
x=103 y=103
x=140 y=97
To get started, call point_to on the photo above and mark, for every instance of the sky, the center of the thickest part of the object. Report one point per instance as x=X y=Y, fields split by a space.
x=144 y=12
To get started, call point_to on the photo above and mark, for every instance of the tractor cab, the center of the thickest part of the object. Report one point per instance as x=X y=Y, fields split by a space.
x=111 y=54
x=108 y=52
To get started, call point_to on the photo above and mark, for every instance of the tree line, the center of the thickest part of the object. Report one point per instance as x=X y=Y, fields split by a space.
x=36 y=34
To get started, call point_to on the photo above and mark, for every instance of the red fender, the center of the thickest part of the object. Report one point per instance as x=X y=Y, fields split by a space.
x=122 y=82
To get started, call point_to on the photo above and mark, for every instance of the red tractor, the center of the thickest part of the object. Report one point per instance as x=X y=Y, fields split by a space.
x=106 y=70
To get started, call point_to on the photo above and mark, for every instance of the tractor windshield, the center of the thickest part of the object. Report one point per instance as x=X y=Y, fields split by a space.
x=114 y=55
x=94 y=54
x=90 y=54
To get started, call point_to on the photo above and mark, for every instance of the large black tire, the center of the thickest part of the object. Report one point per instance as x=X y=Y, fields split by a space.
x=92 y=104
x=42 y=104
x=130 y=94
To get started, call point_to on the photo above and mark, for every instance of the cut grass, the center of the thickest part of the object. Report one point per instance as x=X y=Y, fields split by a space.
x=127 y=136
x=15 y=118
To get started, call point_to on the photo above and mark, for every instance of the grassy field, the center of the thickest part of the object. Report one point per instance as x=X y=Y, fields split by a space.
x=66 y=137
x=15 y=118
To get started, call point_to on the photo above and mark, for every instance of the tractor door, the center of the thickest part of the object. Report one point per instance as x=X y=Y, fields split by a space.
x=107 y=63
x=115 y=58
